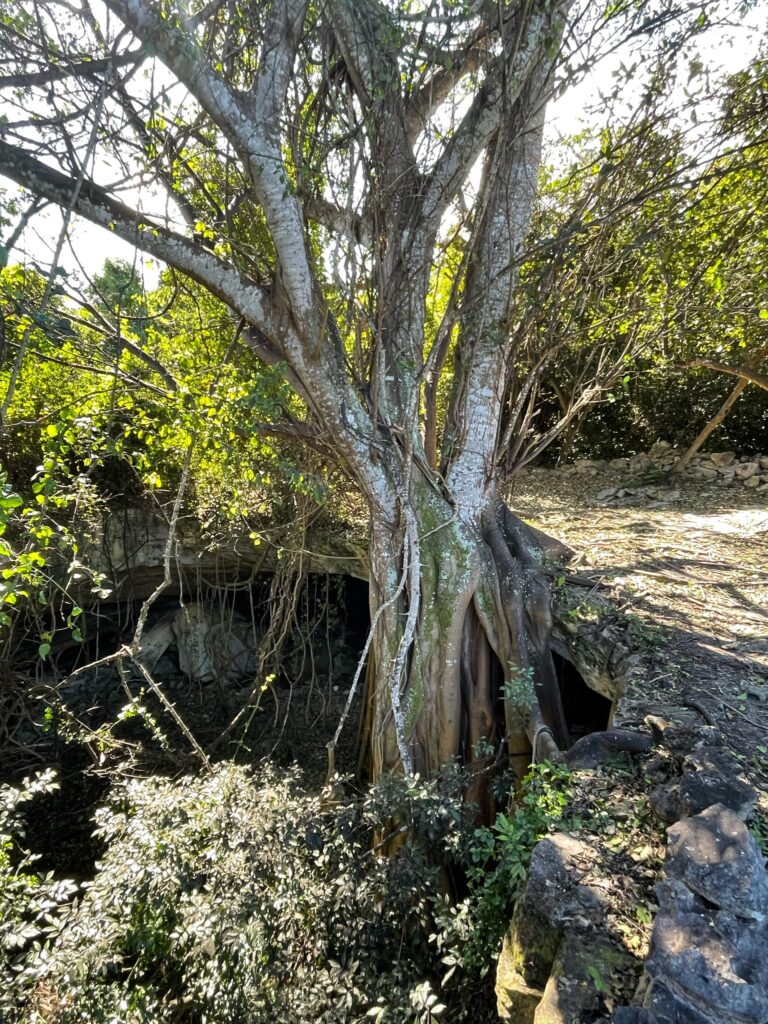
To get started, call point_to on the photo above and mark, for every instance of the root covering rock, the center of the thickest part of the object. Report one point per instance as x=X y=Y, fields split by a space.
x=595 y=749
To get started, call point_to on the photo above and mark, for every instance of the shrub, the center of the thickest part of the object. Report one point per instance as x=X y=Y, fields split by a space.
x=239 y=897
x=28 y=900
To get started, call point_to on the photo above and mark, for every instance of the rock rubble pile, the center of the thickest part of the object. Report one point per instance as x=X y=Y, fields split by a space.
x=650 y=477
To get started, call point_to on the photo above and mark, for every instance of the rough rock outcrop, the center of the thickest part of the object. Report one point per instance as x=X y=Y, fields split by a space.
x=707 y=962
x=211 y=646
x=556 y=962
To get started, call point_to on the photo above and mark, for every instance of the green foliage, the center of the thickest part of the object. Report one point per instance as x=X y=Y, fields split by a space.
x=120 y=394
x=497 y=861
x=248 y=900
x=520 y=689
x=114 y=397
x=641 y=267
x=28 y=900
x=240 y=897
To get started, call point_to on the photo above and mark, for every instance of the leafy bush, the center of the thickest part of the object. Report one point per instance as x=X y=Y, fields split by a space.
x=238 y=897
x=496 y=862
x=27 y=900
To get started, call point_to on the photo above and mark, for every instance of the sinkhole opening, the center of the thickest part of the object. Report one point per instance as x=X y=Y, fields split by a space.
x=585 y=709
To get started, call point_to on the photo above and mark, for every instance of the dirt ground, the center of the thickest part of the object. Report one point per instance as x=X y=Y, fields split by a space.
x=693 y=574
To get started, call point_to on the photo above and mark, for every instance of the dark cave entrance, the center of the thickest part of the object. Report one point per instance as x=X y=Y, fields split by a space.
x=585 y=709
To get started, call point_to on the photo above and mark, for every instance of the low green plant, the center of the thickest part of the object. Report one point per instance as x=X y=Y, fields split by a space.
x=496 y=861
x=28 y=899
x=520 y=689
x=239 y=896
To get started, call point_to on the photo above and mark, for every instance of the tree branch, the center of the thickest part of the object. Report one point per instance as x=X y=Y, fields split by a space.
x=338 y=220
x=745 y=372
x=242 y=294
x=434 y=92
x=83 y=68
x=250 y=124
x=498 y=94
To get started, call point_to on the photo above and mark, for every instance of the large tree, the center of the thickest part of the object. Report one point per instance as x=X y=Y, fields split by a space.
x=332 y=165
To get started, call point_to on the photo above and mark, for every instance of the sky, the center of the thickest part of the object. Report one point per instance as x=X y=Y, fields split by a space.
x=581 y=106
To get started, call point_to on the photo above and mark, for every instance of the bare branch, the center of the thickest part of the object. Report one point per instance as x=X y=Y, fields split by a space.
x=502 y=87
x=745 y=372
x=94 y=203
x=249 y=122
x=437 y=89
x=83 y=68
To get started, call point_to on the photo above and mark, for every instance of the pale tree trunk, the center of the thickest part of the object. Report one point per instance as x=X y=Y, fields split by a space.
x=479 y=684
x=710 y=428
x=464 y=670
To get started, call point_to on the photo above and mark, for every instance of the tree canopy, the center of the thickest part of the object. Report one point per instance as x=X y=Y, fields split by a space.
x=349 y=191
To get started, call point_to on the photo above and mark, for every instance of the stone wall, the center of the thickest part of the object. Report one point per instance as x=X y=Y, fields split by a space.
x=721 y=468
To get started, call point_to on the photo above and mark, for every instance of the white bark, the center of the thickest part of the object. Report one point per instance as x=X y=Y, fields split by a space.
x=511 y=185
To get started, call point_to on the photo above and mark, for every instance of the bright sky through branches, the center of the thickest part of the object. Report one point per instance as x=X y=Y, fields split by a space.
x=582 y=106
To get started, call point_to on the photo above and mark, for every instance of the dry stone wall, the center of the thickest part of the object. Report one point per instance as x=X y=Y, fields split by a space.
x=649 y=476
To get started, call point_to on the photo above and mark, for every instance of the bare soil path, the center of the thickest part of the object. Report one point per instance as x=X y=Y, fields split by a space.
x=692 y=578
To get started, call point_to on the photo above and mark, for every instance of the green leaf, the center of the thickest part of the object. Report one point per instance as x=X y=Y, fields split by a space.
x=597 y=979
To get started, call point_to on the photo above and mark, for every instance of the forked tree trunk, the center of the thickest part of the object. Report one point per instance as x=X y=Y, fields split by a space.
x=461 y=613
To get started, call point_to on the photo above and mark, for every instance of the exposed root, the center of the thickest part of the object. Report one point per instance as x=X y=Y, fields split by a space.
x=520 y=628
x=598 y=747
x=479 y=625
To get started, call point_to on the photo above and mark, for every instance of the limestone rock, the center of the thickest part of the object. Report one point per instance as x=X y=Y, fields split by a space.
x=659 y=717
x=155 y=642
x=712 y=759
x=715 y=856
x=585 y=970
x=670 y=494
x=666 y=803
x=747 y=470
x=763 y=460
x=722 y=458
x=705 y=963
x=633 y=1015
x=701 y=789
x=752 y=481
x=702 y=473
x=683 y=739
x=666 y=1006
x=537 y=922
x=213 y=648
x=556 y=964
x=210 y=646
x=516 y=1001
